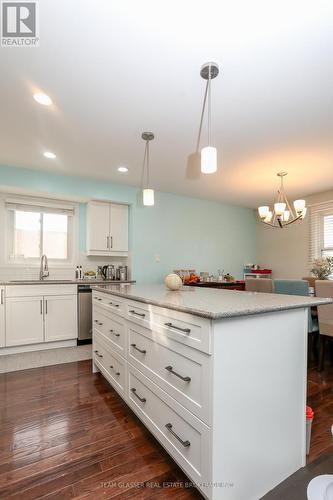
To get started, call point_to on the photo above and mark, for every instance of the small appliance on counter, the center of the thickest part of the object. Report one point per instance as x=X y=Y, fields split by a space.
x=121 y=273
x=108 y=272
x=255 y=271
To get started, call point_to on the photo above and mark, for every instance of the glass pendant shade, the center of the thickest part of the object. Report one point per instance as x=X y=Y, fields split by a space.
x=208 y=160
x=268 y=217
x=148 y=197
x=279 y=208
x=303 y=213
x=263 y=211
x=286 y=215
x=299 y=205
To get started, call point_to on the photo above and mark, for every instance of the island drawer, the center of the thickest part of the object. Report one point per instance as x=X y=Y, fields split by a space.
x=112 y=366
x=184 y=436
x=112 y=328
x=187 y=329
x=181 y=371
x=109 y=302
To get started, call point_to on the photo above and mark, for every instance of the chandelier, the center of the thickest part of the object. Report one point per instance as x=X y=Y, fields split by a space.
x=283 y=214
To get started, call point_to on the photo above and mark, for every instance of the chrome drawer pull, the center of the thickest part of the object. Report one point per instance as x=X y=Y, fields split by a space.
x=114 y=333
x=143 y=400
x=116 y=373
x=186 y=444
x=140 y=350
x=186 y=379
x=114 y=305
x=98 y=322
x=185 y=330
x=137 y=314
x=98 y=354
x=97 y=298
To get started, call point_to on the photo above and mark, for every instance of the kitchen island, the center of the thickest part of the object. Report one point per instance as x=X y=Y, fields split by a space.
x=219 y=378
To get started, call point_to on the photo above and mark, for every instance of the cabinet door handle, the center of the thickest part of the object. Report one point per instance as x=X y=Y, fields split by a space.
x=186 y=443
x=185 y=330
x=142 y=315
x=114 y=333
x=111 y=240
x=186 y=379
x=98 y=322
x=108 y=242
x=113 y=305
x=45 y=306
x=98 y=354
x=140 y=350
x=41 y=306
x=97 y=298
x=2 y=295
x=116 y=373
x=143 y=400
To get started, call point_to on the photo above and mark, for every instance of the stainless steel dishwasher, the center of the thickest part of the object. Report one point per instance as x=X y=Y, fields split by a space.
x=84 y=305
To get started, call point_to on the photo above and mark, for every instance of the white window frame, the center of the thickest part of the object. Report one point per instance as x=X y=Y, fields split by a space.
x=45 y=204
x=322 y=246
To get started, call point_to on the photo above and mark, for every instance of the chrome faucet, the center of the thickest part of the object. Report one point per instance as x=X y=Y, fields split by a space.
x=44 y=268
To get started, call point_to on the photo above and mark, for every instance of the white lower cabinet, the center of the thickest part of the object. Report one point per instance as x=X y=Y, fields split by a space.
x=60 y=317
x=38 y=314
x=2 y=317
x=24 y=320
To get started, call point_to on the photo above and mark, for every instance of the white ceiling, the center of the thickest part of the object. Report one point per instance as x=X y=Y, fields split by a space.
x=116 y=68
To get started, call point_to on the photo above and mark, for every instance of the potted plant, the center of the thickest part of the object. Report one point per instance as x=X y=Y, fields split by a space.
x=322 y=268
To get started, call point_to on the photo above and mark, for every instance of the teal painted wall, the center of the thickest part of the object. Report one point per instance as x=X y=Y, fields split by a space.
x=186 y=232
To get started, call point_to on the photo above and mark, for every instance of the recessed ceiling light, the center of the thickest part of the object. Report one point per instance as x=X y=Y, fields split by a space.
x=42 y=98
x=49 y=154
x=122 y=169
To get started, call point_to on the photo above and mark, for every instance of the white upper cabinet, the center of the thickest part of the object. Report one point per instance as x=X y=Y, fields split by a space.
x=2 y=317
x=107 y=229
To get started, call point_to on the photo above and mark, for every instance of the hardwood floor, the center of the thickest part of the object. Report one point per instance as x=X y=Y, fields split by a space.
x=64 y=433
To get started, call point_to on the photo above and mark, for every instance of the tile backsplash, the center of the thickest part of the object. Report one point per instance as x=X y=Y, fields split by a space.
x=9 y=272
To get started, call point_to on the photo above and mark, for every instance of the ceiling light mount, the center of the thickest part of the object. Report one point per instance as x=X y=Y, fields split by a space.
x=209 y=69
x=147 y=136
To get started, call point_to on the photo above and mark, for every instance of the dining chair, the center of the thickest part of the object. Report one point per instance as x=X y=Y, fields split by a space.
x=264 y=285
x=301 y=287
x=324 y=288
x=311 y=280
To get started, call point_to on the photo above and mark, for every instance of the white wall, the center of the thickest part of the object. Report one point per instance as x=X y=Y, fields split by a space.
x=286 y=251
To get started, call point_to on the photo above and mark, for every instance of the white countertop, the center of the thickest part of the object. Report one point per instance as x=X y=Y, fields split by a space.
x=211 y=303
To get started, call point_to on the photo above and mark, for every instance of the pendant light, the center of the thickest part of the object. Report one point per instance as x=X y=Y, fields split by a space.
x=147 y=192
x=208 y=72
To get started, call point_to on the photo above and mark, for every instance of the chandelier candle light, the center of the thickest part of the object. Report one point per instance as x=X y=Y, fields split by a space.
x=208 y=153
x=283 y=214
x=147 y=192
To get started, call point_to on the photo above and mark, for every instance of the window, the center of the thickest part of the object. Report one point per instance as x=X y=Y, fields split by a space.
x=321 y=230
x=37 y=230
x=327 y=246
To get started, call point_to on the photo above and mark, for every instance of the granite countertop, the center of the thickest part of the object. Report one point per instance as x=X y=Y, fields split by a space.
x=211 y=303
x=63 y=282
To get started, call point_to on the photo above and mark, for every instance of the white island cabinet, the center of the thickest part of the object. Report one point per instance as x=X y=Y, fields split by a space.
x=219 y=378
